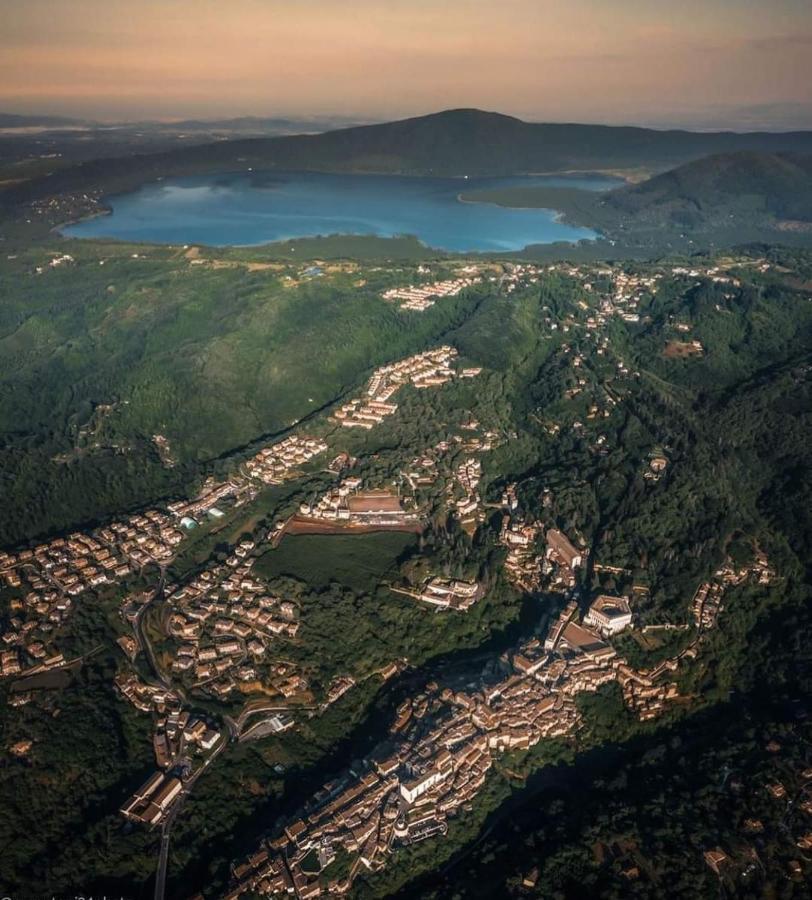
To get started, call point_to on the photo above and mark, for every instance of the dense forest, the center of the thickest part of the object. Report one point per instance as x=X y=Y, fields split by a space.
x=100 y=354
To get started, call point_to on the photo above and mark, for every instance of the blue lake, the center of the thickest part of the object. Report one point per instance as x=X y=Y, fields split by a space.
x=248 y=208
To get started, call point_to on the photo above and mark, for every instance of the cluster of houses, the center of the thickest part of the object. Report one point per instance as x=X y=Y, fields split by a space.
x=447 y=593
x=476 y=440
x=707 y=601
x=223 y=621
x=645 y=691
x=274 y=464
x=646 y=694
x=47 y=579
x=522 y=563
x=175 y=729
x=629 y=289
x=715 y=273
x=176 y=733
x=421 y=297
x=620 y=300
x=429 y=468
x=519 y=275
x=145 y=697
x=280 y=462
x=468 y=507
x=623 y=300
x=527 y=568
x=59 y=208
x=423 y=370
x=707 y=604
x=333 y=504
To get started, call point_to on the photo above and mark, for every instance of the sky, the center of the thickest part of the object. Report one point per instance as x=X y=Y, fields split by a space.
x=694 y=63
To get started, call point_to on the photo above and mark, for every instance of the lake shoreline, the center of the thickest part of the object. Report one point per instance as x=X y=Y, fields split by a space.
x=237 y=210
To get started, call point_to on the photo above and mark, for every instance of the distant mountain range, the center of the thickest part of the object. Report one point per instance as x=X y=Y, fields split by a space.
x=455 y=142
x=25 y=139
x=253 y=125
x=12 y=120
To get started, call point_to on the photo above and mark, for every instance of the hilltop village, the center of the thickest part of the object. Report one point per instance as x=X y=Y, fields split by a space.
x=443 y=743
x=227 y=636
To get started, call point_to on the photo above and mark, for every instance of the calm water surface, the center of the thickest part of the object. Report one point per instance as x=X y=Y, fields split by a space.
x=256 y=208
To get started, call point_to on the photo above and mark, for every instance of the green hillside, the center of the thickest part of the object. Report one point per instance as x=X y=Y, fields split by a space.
x=725 y=198
x=100 y=354
x=718 y=189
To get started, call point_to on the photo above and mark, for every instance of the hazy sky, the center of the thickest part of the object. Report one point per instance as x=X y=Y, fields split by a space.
x=732 y=63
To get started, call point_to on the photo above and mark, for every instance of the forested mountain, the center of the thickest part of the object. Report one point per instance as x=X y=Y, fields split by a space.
x=726 y=198
x=719 y=188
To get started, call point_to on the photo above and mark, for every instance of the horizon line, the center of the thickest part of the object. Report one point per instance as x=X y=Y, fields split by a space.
x=344 y=120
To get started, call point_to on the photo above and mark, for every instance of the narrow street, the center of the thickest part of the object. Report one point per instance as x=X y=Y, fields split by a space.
x=169 y=821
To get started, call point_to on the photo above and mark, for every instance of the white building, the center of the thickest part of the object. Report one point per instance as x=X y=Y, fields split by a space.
x=415 y=788
x=609 y=615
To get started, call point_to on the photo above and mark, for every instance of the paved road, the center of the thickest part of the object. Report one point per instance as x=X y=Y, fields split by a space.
x=163 y=859
x=169 y=821
x=141 y=636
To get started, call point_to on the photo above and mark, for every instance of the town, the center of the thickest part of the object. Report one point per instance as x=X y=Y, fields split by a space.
x=443 y=744
x=54 y=574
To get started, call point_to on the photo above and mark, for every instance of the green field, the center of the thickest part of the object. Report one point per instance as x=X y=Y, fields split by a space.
x=359 y=562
